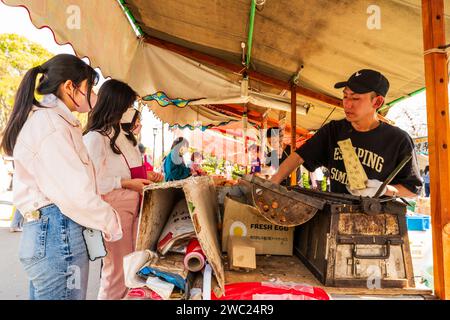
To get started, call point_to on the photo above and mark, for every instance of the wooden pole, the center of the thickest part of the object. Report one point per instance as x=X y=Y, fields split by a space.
x=263 y=136
x=224 y=148
x=293 y=128
x=436 y=80
x=235 y=148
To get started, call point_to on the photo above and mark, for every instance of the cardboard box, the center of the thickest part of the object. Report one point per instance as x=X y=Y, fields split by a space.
x=200 y=194
x=243 y=220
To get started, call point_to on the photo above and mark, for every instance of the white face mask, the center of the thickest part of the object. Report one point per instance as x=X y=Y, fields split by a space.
x=137 y=127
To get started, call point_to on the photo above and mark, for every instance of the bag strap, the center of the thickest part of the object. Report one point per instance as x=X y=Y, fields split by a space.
x=123 y=156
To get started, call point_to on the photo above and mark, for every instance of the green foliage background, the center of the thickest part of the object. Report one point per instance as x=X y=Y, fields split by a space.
x=17 y=56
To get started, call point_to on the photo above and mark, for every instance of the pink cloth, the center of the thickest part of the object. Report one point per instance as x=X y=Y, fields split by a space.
x=52 y=165
x=112 y=282
x=147 y=164
x=139 y=172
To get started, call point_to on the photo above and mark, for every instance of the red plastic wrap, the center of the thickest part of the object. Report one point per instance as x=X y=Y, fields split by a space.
x=271 y=291
x=195 y=258
x=142 y=294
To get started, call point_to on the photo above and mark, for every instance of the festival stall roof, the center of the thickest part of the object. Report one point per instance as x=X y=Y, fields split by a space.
x=287 y=35
x=192 y=50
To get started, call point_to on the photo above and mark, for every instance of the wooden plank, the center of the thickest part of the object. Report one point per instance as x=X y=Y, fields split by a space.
x=244 y=132
x=436 y=80
x=293 y=125
x=254 y=75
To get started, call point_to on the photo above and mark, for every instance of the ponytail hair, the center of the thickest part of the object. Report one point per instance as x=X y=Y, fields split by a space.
x=24 y=98
x=54 y=72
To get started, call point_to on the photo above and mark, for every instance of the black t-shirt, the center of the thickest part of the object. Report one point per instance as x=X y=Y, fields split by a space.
x=379 y=150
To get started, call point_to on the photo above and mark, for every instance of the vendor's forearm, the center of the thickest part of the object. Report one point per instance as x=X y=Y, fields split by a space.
x=290 y=164
x=399 y=191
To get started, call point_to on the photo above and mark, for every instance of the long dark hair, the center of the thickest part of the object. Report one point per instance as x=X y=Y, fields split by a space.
x=180 y=142
x=54 y=72
x=128 y=128
x=114 y=99
x=177 y=144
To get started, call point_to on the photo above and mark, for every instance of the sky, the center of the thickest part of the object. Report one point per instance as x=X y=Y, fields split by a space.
x=16 y=20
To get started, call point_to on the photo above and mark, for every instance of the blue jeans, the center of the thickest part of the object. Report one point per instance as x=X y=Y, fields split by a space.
x=54 y=256
x=17 y=220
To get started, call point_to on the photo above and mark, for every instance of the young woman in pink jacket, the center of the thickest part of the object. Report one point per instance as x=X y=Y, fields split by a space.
x=121 y=175
x=54 y=180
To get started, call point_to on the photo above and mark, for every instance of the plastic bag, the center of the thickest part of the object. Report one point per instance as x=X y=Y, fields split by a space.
x=169 y=268
x=178 y=230
x=162 y=288
x=132 y=263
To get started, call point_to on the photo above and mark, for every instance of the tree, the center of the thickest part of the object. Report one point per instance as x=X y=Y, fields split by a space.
x=17 y=56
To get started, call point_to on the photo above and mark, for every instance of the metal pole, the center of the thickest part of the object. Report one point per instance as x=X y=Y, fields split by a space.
x=162 y=138
x=154 y=146
x=250 y=32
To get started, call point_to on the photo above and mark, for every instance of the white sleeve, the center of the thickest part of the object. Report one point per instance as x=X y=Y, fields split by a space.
x=66 y=181
x=96 y=145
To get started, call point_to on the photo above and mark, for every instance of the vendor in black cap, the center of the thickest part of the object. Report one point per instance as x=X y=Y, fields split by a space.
x=379 y=146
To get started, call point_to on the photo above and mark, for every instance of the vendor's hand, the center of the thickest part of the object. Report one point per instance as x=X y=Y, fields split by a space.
x=276 y=178
x=372 y=186
x=135 y=184
x=155 y=176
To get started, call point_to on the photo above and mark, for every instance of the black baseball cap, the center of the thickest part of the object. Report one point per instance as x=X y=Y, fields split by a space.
x=366 y=80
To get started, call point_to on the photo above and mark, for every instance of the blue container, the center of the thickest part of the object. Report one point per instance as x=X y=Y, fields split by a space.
x=418 y=222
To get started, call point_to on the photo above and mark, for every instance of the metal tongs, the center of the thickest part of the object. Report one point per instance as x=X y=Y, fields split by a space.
x=392 y=176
